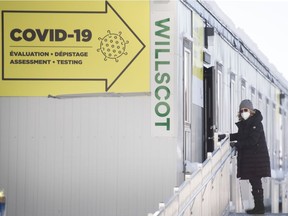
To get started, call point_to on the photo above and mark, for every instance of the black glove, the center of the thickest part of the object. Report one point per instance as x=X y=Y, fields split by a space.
x=221 y=137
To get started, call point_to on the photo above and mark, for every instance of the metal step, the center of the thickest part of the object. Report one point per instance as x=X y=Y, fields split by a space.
x=267 y=214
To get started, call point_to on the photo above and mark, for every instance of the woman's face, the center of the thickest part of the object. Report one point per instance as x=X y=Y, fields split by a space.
x=245 y=113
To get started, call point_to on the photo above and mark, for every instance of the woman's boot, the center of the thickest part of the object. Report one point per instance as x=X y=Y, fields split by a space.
x=259 y=204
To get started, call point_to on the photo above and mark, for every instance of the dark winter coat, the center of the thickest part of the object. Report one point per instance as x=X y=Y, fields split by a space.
x=253 y=158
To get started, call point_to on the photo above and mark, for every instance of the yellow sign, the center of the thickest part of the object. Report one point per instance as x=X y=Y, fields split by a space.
x=74 y=47
x=198 y=44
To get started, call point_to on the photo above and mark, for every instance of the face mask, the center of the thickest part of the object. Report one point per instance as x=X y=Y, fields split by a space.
x=245 y=115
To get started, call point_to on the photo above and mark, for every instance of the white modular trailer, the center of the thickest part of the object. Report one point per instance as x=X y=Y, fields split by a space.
x=83 y=156
x=234 y=69
x=94 y=153
x=245 y=72
x=121 y=152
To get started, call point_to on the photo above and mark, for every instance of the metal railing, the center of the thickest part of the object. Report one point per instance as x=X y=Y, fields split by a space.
x=206 y=191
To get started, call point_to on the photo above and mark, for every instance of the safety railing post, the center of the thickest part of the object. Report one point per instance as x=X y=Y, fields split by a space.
x=274 y=196
x=285 y=195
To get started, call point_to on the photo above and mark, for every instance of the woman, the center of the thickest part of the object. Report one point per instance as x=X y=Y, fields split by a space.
x=253 y=161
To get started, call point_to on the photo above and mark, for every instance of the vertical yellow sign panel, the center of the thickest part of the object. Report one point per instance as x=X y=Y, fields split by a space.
x=198 y=35
x=74 y=47
x=198 y=74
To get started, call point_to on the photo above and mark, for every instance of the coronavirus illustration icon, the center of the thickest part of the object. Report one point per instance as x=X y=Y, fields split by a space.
x=112 y=46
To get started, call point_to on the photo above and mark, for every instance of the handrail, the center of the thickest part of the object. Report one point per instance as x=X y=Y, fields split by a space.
x=222 y=153
x=212 y=176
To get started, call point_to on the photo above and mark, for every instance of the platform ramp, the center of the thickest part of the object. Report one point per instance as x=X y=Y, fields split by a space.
x=206 y=191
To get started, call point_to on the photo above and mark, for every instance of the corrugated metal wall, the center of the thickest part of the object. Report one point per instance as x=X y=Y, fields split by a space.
x=83 y=156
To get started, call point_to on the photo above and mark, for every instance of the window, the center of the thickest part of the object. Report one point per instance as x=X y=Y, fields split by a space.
x=261 y=107
x=219 y=98
x=268 y=117
x=187 y=99
x=253 y=96
x=243 y=89
x=187 y=85
x=233 y=106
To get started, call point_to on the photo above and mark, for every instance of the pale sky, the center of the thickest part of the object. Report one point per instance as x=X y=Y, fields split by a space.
x=266 y=23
